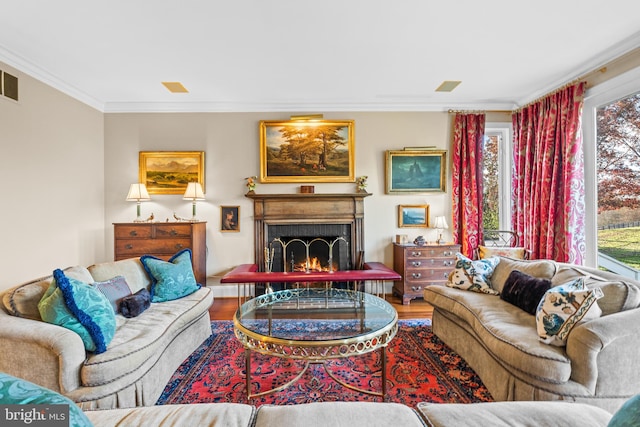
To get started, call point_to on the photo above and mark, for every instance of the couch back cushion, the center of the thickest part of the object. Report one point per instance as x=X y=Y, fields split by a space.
x=22 y=300
x=619 y=293
x=542 y=269
x=131 y=269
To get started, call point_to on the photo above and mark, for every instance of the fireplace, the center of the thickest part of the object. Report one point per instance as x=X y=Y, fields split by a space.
x=307 y=226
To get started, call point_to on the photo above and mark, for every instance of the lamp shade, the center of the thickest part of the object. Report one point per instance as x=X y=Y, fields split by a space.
x=193 y=192
x=440 y=223
x=138 y=192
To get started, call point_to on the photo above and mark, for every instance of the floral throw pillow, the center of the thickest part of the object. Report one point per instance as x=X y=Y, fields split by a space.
x=562 y=307
x=473 y=275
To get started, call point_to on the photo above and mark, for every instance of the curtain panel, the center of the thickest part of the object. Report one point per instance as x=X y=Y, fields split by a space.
x=468 y=138
x=548 y=176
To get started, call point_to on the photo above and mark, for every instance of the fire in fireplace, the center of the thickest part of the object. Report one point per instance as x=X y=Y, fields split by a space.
x=311 y=253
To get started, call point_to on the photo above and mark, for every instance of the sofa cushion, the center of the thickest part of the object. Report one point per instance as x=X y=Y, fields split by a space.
x=130 y=268
x=473 y=275
x=543 y=269
x=22 y=300
x=506 y=331
x=80 y=307
x=337 y=414
x=508 y=414
x=524 y=291
x=115 y=289
x=170 y=279
x=143 y=339
x=511 y=252
x=16 y=391
x=195 y=414
x=562 y=307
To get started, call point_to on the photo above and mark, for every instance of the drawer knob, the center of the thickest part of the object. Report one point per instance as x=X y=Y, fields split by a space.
x=173 y=232
x=416 y=253
x=416 y=288
x=445 y=275
x=416 y=263
x=128 y=246
x=447 y=253
x=448 y=263
x=179 y=246
x=133 y=233
x=416 y=275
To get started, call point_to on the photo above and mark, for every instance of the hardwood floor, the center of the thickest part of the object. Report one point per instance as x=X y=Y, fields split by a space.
x=224 y=308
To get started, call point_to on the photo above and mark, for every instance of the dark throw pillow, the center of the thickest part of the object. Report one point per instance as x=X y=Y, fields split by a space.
x=524 y=291
x=134 y=305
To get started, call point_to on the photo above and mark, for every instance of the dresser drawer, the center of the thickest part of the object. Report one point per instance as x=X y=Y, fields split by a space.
x=132 y=232
x=172 y=230
x=135 y=247
x=430 y=262
x=427 y=274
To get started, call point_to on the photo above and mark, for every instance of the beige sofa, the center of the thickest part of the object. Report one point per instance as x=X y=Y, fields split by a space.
x=144 y=353
x=500 y=342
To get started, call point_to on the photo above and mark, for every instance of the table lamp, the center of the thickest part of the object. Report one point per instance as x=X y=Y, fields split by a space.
x=440 y=224
x=193 y=193
x=138 y=193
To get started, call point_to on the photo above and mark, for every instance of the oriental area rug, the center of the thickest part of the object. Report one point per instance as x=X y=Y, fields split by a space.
x=420 y=368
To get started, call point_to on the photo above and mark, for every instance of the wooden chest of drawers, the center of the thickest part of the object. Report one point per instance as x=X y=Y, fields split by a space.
x=421 y=266
x=162 y=240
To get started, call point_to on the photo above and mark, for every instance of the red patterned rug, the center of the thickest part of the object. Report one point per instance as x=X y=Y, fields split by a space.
x=420 y=368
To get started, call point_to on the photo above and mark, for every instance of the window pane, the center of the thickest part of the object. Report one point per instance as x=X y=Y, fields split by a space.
x=491 y=182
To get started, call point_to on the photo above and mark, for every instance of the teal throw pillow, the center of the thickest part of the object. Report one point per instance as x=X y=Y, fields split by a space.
x=81 y=308
x=171 y=279
x=16 y=391
x=628 y=415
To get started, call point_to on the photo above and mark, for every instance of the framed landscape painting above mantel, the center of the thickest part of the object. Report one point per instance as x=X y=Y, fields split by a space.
x=169 y=172
x=416 y=171
x=307 y=151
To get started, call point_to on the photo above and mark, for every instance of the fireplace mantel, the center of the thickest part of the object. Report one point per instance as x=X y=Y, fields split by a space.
x=308 y=208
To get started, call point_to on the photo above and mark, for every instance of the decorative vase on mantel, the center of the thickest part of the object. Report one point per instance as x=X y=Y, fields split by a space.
x=361 y=183
x=251 y=184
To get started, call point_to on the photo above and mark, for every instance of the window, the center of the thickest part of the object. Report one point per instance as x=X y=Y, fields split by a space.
x=602 y=143
x=496 y=213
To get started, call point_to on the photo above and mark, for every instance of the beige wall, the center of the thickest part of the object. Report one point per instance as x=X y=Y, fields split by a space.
x=51 y=182
x=231 y=145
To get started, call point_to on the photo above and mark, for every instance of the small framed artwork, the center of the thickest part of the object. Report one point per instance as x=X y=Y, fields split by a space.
x=307 y=151
x=229 y=218
x=416 y=216
x=169 y=172
x=416 y=171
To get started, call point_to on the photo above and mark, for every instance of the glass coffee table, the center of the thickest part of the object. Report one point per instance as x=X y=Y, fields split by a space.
x=315 y=325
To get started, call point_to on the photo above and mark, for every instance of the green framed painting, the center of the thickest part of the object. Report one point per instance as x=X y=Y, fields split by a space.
x=307 y=151
x=415 y=171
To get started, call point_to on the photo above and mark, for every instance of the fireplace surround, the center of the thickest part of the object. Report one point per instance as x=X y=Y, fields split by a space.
x=308 y=216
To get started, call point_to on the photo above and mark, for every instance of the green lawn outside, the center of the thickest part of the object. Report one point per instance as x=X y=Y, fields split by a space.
x=622 y=244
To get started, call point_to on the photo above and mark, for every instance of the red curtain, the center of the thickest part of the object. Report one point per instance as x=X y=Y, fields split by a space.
x=548 y=176
x=468 y=136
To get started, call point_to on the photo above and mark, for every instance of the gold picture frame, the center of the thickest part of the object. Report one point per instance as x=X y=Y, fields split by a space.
x=307 y=151
x=169 y=172
x=413 y=216
x=416 y=171
x=229 y=219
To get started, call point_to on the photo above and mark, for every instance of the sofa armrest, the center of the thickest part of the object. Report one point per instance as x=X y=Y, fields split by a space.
x=603 y=354
x=45 y=354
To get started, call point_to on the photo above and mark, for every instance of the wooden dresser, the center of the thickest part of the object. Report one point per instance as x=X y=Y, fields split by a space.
x=162 y=240
x=421 y=266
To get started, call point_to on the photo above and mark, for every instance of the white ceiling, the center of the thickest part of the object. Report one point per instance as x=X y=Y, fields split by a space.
x=303 y=56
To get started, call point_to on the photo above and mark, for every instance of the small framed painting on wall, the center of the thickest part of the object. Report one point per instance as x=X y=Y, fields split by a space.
x=229 y=218
x=416 y=216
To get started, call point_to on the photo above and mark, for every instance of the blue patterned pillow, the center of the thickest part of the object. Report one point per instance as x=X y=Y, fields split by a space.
x=628 y=415
x=81 y=308
x=473 y=275
x=171 y=279
x=16 y=391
